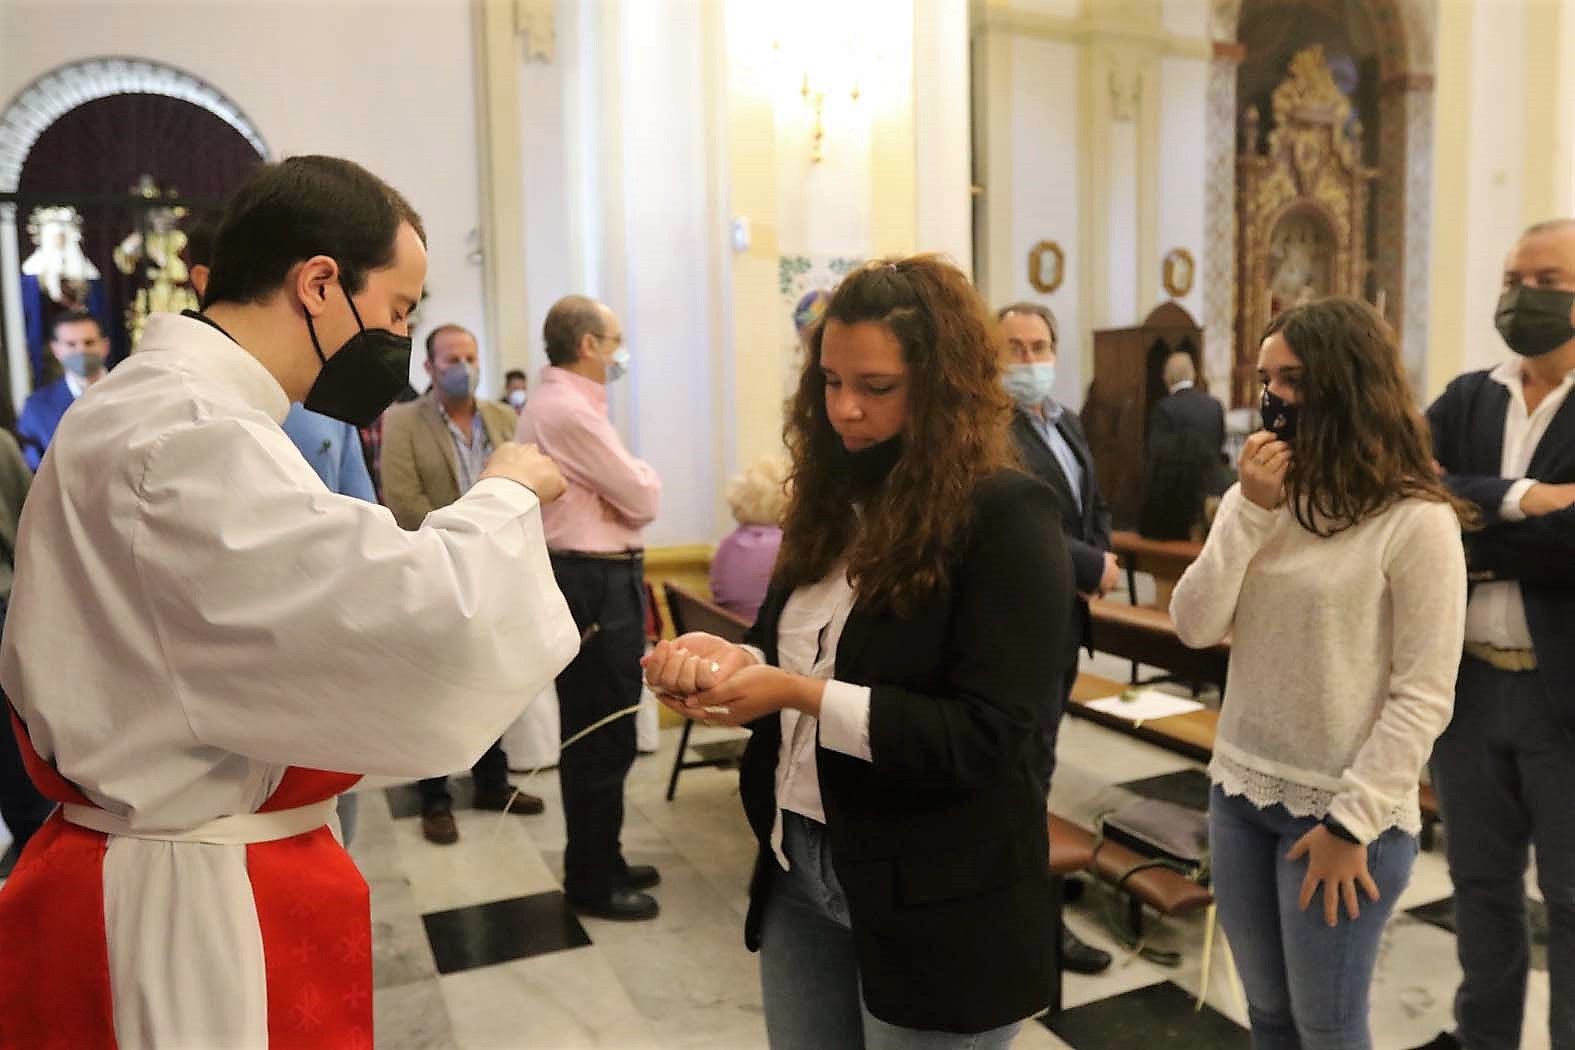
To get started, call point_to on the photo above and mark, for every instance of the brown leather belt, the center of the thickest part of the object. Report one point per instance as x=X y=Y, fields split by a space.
x=1513 y=660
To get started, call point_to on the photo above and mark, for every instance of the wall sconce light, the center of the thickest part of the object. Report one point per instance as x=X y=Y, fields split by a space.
x=824 y=53
x=815 y=98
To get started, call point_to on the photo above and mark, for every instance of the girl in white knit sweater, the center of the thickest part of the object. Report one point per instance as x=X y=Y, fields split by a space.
x=1336 y=568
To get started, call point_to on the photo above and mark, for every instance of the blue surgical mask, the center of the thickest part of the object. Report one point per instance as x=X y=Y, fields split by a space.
x=458 y=379
x=1029 y=384
x=618 y=364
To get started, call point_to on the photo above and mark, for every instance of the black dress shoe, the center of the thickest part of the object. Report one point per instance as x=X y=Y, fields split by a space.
x=1082 y=958
x=498 y=799
x=620 y=905
x=1445 y=1041
x=640 y=877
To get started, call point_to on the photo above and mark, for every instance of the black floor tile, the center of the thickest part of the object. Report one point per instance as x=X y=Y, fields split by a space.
x=1442 y=914
x=502 y=931
x=1159 y=1017
x=404 y=800
x=1186 y=787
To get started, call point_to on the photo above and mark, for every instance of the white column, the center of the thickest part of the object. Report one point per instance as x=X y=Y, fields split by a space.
x=942 y=130
x=502 y=195
x=19 y=371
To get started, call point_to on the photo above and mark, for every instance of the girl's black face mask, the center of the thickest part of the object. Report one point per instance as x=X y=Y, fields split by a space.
x=868 y=467
x=1279 y=416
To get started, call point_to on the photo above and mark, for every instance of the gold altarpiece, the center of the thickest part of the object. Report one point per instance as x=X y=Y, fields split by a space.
x=1301 y=209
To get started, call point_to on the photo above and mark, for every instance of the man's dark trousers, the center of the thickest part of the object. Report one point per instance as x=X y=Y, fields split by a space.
x=606 y=598
x=490 y=773
x=1505 y=775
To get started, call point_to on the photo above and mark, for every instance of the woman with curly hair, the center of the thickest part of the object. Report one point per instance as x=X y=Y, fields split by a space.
x=1336 y=567
x=896 y=682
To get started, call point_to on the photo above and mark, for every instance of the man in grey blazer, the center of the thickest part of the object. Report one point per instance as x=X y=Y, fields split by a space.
x=434 y=450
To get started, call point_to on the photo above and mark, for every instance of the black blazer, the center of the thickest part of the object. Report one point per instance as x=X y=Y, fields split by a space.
x=940 y=843
x=1189 y=409
x=1467 y=422
x=1087 y=531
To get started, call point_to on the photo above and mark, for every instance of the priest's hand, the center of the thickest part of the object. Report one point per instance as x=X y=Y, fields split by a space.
x=691 y=663
x=527 y=465
x=751 y=693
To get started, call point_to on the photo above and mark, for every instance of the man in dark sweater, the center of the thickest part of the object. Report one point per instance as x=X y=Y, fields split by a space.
x=1504 y=440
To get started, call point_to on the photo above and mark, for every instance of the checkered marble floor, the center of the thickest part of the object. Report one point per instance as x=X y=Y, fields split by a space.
x=475 y=946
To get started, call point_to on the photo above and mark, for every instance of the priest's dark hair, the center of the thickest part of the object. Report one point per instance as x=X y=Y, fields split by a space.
x=199 y=242
x=288 y=212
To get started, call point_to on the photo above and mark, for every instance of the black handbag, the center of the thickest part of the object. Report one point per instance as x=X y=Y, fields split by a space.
x=1167 y=834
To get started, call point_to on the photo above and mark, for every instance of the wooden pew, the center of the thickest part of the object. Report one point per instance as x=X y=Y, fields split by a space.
x=690 y=612
x=1167 y=892
x=1165 y=560
x=1148 y=636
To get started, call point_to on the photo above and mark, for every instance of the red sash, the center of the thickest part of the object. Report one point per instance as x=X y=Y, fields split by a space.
x=312 y=908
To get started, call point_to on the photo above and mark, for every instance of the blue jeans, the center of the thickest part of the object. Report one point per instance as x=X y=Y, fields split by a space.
x=808 y=971
x=1307 y=984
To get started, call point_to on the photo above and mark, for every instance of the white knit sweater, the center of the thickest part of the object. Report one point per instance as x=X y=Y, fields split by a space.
x=1343 y=655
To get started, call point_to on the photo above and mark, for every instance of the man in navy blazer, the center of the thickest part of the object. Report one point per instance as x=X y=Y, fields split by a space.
x=1053 y=448
x=78 y=343
x=1504 y=440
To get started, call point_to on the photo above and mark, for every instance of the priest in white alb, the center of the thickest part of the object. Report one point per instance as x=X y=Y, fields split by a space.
x=205 y=645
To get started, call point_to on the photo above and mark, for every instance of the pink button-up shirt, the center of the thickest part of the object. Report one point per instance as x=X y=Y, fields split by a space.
x=611 y=495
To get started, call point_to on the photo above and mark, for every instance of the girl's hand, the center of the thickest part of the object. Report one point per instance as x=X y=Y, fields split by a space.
x=691 y=663
x=1264 y=462
x=1340 y=866
x=750 y=693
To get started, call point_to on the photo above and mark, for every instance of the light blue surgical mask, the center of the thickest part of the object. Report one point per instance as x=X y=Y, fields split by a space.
x=1029 y=384
x=458 y=379
x=618 y=364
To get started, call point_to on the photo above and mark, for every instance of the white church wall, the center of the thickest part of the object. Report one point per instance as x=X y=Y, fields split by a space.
x=1186 y=18
x=942 y=149
x=554 y=255
x=669 y=244
x=1045 y=191
x=1497 y=178
x=1182 y=174
x=390 y=89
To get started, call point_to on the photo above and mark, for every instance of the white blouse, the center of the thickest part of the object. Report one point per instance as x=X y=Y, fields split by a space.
x=807 y=636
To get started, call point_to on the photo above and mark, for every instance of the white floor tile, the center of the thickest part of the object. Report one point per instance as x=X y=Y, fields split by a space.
x=563 y=1001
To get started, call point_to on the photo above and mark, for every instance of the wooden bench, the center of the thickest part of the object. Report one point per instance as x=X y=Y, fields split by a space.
x=1165 y=560
x=690 y=612
x=1148 y=636
x=1167 y=892
x=1192 y=736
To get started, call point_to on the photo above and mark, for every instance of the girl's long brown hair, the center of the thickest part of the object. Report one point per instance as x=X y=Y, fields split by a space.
x=899 y=546
x=1361 y=444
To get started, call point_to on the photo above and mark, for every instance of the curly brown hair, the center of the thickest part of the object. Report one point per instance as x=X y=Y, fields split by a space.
x=898 y=547
x=1361 y=444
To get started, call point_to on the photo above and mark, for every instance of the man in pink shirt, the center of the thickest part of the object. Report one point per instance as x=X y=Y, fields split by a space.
x=593 y=536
